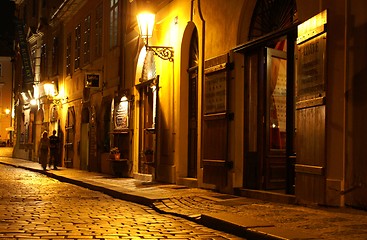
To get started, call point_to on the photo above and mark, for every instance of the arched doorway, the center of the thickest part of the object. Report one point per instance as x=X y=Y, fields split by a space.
x=269 y=103
x=84 y=140
x=69 y=138
x=193 y=105
x=148 y=88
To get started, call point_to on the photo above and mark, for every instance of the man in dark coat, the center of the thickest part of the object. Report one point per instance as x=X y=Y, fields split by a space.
x=54 y=150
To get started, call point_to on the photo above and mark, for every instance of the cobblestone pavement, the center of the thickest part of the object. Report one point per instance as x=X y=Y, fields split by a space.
x=33 y=206
x=252 y=218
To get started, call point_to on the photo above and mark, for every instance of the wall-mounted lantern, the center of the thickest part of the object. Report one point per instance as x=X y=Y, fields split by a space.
x=146 y=22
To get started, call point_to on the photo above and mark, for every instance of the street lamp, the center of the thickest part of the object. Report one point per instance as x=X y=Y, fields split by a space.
x=146 y=24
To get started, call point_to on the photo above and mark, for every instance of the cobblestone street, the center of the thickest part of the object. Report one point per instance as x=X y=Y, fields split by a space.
x=33 y=206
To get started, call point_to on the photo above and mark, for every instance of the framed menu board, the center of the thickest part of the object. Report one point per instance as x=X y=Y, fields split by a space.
x=122 y=116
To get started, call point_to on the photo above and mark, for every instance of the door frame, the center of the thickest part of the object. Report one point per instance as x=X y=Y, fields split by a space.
x=250 y=47
x=147 y=162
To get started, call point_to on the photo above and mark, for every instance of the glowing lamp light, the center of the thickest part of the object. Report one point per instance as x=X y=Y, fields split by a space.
x=33 y=102
x=49 y=89
x=146 y=24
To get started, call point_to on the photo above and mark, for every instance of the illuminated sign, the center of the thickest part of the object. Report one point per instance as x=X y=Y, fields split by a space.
x=92 y=80
x=311 y=60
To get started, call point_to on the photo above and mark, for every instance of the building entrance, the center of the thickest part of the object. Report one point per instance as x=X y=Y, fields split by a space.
x=148 y=92
x=269 y=116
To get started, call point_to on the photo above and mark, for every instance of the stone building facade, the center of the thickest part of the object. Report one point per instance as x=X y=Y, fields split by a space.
x=261 y=98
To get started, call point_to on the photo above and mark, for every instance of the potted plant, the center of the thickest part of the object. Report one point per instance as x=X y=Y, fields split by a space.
x=115 y=153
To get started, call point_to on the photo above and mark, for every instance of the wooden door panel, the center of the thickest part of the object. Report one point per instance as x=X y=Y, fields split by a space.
x=310 y=163
x=215 y=149
x=275 y=175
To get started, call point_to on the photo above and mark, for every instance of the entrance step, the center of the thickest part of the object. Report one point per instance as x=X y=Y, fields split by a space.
x=188 y=182
x=267 y=196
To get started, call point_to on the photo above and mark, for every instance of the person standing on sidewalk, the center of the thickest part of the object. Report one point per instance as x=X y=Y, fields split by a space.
x=43 y=150
x=54 y=150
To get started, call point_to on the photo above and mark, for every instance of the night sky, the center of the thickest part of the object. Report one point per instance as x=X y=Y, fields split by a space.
x=7 y=8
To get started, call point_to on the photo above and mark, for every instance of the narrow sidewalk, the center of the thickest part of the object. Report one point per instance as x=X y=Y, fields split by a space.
x=244 y=217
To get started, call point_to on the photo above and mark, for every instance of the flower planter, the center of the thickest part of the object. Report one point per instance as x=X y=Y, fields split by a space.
x=120 y=167
x=115 y=156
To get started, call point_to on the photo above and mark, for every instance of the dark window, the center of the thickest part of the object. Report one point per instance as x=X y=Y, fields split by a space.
x=44 y=60
x=272 y=15
x=78 y=40
x=87 y=40
x=68 y=55
x=55 y=56
x=99 y=27
x=114 y=12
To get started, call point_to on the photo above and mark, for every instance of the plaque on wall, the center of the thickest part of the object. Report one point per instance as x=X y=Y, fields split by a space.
x=311 y=58
x=311 y=67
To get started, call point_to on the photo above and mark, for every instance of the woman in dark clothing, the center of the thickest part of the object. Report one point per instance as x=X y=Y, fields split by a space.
x=43 y=150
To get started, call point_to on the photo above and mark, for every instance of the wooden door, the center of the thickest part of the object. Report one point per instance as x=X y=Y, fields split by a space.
x=192 y=123
x=148 y=126
x=84 y=147
x=215 y=121
x=70 y=138
x=275 y=119
x=266 y=126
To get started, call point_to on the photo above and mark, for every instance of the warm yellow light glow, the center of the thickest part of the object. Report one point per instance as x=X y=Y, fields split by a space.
x=36 y=91
x=146 y=24
x=49 y=89
x=312 y=27
x=33 y=102
x=7 y=111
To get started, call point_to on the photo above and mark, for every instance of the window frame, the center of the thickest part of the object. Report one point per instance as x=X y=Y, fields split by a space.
x=87 y=38
x=99 y=30
x=114 y=13
x=77 y=49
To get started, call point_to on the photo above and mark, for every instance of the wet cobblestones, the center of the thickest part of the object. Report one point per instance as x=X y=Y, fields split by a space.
x=282 y=221
x=33 y=206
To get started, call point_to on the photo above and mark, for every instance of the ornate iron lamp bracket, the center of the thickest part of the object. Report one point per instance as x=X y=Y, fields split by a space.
x=165 y=53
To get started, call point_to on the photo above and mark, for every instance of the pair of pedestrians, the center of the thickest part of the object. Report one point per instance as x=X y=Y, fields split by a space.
x=52 y=144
